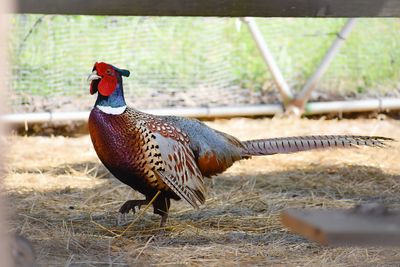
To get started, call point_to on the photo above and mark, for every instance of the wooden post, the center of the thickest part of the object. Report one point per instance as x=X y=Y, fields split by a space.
x=369 y=225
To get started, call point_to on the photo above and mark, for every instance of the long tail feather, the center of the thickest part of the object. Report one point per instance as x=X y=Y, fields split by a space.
x=302 y=143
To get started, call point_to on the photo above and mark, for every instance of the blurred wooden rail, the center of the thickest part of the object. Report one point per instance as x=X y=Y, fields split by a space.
x=336 y=227
x=223 y=8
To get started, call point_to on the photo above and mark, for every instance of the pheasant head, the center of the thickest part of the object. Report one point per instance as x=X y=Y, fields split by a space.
x=105 y=77
x=106 y=80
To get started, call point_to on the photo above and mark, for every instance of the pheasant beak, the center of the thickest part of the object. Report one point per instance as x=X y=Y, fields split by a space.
x=94 y=80
x=93 y=76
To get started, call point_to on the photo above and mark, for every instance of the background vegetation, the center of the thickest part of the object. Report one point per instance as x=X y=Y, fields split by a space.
x=52 y=55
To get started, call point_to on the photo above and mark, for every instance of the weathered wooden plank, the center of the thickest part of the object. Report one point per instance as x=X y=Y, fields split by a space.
x=224 y=8
x=345 y=227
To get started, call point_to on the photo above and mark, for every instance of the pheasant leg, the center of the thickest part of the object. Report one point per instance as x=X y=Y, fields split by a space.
x=164 y=218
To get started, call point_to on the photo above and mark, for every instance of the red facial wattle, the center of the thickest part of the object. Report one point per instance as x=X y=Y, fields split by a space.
x=107 y=85
x=108 y=82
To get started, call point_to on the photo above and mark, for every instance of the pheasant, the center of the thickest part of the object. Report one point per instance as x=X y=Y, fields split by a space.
x=172 y=155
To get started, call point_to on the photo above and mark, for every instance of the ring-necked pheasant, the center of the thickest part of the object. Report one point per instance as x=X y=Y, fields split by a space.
x=173 y=154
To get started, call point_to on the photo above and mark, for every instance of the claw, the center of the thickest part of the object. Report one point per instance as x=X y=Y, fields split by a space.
x=131 y=205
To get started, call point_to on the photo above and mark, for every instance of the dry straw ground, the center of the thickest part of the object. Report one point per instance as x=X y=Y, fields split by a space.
x=65 y=202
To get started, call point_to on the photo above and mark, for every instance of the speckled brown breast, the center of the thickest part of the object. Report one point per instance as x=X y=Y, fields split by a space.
x=121 y=147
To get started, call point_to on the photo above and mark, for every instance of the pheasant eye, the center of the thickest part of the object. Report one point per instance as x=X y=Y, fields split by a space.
x=108 y=71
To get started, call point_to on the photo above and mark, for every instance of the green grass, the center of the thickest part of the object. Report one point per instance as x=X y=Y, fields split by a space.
x=51 y=55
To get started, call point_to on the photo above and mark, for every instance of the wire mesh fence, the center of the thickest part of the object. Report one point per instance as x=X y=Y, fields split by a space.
x=193 y=61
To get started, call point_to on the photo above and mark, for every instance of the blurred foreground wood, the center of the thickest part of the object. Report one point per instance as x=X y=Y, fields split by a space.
x=227 y=8
x=5 y=240
x=370 y=225
x=15 y=250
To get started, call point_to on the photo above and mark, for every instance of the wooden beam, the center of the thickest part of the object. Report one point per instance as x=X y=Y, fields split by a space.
x=345 y=227
x=221 y=8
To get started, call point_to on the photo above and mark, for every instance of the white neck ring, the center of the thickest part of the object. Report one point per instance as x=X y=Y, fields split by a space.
x=111 y=110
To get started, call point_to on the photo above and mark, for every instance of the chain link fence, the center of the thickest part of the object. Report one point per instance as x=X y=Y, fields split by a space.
x=177 y=61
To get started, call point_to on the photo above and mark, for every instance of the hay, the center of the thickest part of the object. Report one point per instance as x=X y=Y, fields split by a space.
x=65 y=201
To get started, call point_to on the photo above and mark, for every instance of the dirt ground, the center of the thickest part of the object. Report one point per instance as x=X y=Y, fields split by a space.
x=66 y=203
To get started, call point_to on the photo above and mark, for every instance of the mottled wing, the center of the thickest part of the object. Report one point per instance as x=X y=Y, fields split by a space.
x=179 y=171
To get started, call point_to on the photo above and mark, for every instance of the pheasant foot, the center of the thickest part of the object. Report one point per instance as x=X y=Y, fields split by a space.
x=126 y=208
x=132 y=204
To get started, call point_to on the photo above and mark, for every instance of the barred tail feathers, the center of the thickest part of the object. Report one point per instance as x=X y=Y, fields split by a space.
x=303 y=143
